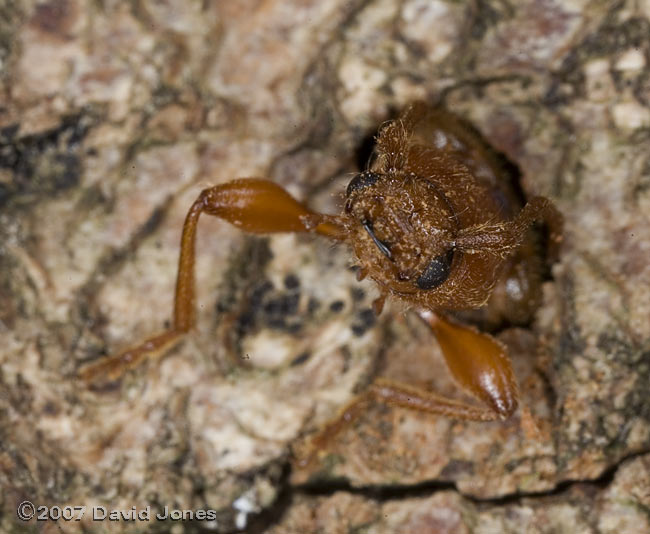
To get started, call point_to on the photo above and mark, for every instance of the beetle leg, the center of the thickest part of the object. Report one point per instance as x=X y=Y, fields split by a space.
x=502 y=238
x=307 y=453
x=480 y=364
x=252 y=204
x=477 y=361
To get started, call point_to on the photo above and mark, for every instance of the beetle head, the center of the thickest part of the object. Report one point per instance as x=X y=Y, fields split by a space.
x=402 y=228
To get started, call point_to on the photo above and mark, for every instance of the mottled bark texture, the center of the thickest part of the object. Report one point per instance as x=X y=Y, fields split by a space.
x=114 y=115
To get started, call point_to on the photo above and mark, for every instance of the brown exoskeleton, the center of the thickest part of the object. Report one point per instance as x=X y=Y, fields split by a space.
x=434 y=223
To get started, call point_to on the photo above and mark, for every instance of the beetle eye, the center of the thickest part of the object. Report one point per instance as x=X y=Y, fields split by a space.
x=361 y=181
x=437 y=271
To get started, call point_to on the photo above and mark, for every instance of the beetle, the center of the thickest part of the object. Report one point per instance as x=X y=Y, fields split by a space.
x=434 y=221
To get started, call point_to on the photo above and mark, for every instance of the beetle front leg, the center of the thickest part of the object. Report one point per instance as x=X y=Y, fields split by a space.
x=251 y=204
x=479 y=364
x=502 y=238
